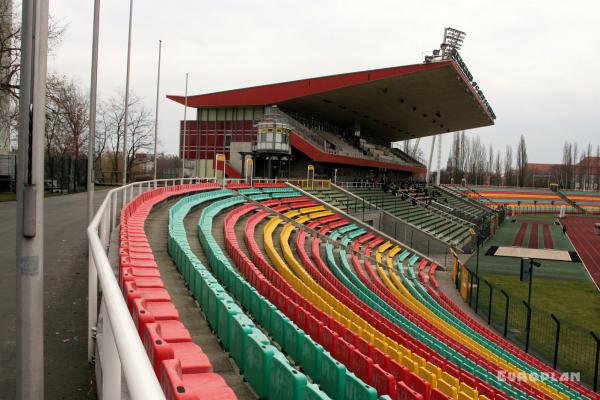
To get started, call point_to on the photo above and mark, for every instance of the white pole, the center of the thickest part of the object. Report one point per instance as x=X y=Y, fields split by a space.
x=439 y=159
x=156 y=108
x=224 y=161
x=93 y=95
x=216 y=163
x=30 y=202
x=430 y=159
x=184 y=127
x=92 y=275
x=125 y=151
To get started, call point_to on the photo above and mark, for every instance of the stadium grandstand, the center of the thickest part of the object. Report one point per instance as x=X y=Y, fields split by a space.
x=298 y=256
x=307 y=251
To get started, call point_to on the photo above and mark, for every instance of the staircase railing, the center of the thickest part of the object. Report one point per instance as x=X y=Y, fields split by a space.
x=571 y=202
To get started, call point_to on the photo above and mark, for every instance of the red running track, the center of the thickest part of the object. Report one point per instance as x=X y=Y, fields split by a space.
x=518 y=242
x=533 y=237
x=548 y=242
x=581 y=232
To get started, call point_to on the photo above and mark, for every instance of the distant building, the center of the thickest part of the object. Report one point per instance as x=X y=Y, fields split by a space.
x=584 y=175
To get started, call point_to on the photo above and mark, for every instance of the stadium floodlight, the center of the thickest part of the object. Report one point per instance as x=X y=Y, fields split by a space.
x=453 y=39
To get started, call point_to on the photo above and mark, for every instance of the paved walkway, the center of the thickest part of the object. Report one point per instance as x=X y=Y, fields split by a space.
x=67 y=373
x=156 y=228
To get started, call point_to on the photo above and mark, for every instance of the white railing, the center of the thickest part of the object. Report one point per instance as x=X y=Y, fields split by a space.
x=122 y=352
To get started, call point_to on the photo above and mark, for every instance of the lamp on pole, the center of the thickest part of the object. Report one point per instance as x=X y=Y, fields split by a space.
x=526 y=274
x=92 y=279
x=125 y=117
x=156 y=109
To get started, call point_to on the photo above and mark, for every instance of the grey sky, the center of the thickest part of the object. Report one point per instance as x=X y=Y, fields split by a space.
x=536 y=61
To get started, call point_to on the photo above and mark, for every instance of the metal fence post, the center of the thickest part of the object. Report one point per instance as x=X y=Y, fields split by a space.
x=505 y=311
x=477 y=293
x=470 y=289
x=528 y=326
x=490 y=303
x=557 y=340
x=597 y=339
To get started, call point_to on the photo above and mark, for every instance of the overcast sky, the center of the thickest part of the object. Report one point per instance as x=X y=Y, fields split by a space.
x=538 y=62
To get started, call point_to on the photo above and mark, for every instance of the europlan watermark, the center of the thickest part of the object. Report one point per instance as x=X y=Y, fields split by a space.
x=506 y=376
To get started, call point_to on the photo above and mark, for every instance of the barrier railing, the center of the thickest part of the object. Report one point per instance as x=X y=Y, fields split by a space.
x=122 y=352
x=563 y=345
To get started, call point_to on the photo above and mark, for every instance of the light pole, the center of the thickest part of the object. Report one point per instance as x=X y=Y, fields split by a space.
x=30 y=202
x=92 y=275
x=156 y=109
x=527 y=265
x=125 y=117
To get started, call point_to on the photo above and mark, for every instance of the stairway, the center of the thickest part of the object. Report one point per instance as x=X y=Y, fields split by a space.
x=571 y=202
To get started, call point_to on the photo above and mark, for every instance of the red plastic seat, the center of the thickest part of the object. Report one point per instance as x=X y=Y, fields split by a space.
x=178 y=385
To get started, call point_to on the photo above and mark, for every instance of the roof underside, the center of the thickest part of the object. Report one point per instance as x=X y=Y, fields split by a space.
x=393 y=104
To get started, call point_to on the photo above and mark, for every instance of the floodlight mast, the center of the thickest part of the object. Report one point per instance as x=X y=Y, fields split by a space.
x=453 y=40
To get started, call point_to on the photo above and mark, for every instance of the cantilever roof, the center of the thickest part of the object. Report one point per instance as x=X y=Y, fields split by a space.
x=394 y=103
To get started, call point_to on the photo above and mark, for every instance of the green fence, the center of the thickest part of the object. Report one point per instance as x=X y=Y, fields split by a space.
x=565 y=346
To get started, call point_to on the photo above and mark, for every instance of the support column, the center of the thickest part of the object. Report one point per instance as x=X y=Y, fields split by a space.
x=430 y=160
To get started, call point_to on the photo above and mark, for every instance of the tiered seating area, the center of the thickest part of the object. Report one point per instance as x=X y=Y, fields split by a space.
x=452 y=230
x=312 y=306
x=515 y=199
x=459 y=204
x=589 y=201
x=184 y=370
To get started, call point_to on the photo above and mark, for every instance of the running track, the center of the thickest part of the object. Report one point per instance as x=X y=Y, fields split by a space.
x=518 y=242
x=581 y=232
x=533 y=237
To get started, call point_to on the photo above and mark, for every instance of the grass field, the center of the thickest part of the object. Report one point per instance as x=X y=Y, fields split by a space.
x=561 y=288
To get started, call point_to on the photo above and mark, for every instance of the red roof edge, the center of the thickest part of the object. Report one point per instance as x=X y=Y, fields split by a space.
x=278 y=92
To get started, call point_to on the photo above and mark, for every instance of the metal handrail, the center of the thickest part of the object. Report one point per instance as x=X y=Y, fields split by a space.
x=122 y=347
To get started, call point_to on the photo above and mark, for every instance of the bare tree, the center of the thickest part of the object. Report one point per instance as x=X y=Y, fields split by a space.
x=67 y=116
x=490 y=164
x=522 y=162
x=574 y=177
x=10 y=58
x=139 y=130
x=498 y=169
x=508 y=164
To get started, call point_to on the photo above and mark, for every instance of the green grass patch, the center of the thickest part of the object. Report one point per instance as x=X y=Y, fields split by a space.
x=8 y=197
x=571 y=301
x=563 y=289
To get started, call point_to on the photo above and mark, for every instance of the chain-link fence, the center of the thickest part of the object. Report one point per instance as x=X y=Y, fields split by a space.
x=564 y=346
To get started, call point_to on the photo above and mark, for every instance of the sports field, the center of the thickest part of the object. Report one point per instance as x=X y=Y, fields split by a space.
x=563 y=288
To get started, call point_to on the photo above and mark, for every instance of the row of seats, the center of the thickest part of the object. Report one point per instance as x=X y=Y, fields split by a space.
x=263 y=365
x=429 y=219
x=184 y=370
x=355 y=321
x=413 y=277
x=459 y=204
